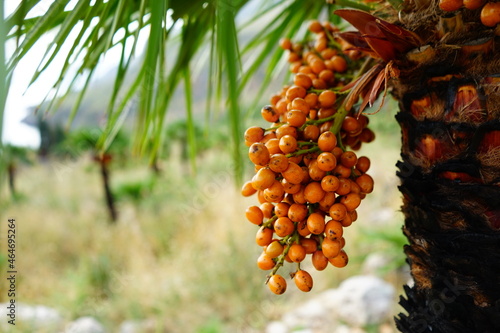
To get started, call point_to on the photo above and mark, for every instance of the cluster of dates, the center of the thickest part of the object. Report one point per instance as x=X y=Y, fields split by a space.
x=308 y=179
x=490 y=10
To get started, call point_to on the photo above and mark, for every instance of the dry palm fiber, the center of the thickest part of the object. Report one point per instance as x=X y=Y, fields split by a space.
x=450 y=180
x=443 y=68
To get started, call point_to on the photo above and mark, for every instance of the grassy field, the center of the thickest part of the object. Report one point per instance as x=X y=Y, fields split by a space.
x=182 y=254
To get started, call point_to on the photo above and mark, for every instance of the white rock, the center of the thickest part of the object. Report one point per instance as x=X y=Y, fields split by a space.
x=85 y=325
x=130 y=327
x=381 y=216
x=327 y=296
x=363 y=300
x=311 y=314
x=277 y=327
x=138 y=326
x=342 y=329
x=359 y=301
x=375 y=263
x=35 y=316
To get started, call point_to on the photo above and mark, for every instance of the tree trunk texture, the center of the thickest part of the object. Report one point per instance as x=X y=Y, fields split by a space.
x=449 y=97
x=110 y=200
x=155 y=167
x=11 y=170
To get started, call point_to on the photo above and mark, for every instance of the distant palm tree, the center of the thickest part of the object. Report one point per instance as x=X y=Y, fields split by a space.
x=12 y=156
x=85 y=140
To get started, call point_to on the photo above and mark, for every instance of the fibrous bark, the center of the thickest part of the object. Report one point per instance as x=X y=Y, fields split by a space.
x=110 y=200
x=449 y=97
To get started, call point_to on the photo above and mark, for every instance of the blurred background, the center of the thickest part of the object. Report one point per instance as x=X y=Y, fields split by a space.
x=138 y=246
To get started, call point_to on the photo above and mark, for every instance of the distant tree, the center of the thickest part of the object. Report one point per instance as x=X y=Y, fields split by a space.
x=50 y=136
x=85 y=141
x=12 y=157
x=177 y=132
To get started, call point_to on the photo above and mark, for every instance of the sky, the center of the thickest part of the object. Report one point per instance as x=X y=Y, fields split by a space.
x=18 y=99
x=22 y=97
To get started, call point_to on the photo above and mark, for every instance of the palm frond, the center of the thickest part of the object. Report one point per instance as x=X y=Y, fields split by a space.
x=3 y=92
x=41 y=26
x=192 y=33
x=228 y=55
x=191 y=135
x=286 y=23
x=3 y=72
x=178 y=31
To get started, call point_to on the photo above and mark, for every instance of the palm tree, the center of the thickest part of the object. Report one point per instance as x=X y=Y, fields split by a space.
x=12 y=156
x=450 y=173
x=85 y=140
x=442 y=68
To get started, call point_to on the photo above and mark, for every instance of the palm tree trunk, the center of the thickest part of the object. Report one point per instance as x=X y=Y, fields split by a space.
x=450 y=175
x=155 y=167
x=110 y=201
x=11 y=170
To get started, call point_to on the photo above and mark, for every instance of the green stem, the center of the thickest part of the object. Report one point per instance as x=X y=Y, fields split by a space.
x=339 y=101
x=281 y=259
x=306 y=143
x=332 y=41
x=303 y=151
x=354 y=173
x=343 y=92
x=269 y=222
x=273 y=128
x=320 y=241
x=289 y=241
x=338 y=119
x=319 y=121
x=316 y=91
x=352 y=4
x=345 y=76
x=340 y=143
x=365 y=67
x=337 y=90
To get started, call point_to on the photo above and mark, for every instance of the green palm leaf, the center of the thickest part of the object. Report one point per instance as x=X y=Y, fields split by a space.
x=3 y=89
x=177 y=32
x=3 y=72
